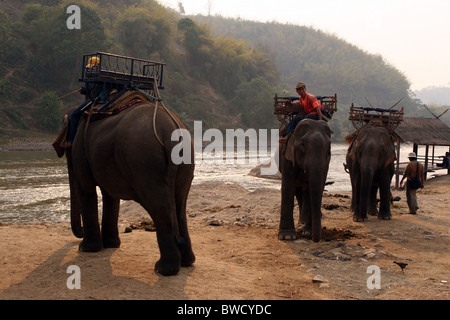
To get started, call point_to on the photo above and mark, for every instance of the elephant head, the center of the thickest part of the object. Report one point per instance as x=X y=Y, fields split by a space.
x=370 y=162
x=304 y=172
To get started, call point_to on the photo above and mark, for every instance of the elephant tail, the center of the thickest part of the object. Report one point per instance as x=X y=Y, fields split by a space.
x=76 y=226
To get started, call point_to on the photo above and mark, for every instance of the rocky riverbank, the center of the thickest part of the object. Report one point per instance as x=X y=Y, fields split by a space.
x=239 y=256
x=20 y=140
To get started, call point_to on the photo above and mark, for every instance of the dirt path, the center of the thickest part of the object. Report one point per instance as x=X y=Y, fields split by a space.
x=234 y=236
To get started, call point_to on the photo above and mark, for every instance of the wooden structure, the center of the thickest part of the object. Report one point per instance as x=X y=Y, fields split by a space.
x=426 y=132
x=329 y=103
x=122 y=70
x=388 y=118
x=121 y=73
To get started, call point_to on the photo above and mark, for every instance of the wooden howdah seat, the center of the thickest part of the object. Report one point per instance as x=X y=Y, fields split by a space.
x=122 y=70
x=125 y=77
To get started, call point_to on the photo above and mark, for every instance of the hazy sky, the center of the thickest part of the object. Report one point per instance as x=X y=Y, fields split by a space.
x=412 y=35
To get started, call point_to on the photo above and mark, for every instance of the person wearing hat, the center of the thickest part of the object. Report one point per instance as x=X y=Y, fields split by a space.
x=93 y=63
x=98 y=92
x=413 y=169
x=307 y=104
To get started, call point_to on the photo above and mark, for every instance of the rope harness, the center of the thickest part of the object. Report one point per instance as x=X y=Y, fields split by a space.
x=156 y=99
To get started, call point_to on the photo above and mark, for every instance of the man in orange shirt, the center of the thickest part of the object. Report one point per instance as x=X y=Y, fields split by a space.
x=307 y=105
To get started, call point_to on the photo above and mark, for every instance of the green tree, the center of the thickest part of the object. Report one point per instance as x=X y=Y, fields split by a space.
x=49 y=111
x=11 y=50
x=5 y=35
x=198 y=43
x=254 y=102
x=56 y=51
x=143 y=33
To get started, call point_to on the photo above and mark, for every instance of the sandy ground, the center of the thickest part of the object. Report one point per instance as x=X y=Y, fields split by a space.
x=234 y=236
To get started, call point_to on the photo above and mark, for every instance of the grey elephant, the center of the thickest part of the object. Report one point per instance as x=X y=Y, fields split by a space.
x=123 y=156
x=304 y=167
x=370 y=162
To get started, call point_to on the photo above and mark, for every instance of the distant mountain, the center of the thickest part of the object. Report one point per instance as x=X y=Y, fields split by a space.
x=434 y=95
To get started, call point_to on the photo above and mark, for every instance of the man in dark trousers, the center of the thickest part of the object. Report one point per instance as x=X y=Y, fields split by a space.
x=307 y=105
x=413 y=169
x=94 y=92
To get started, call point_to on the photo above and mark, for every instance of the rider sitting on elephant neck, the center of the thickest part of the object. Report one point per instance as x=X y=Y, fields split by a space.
x=308 y=105
x=98 y=92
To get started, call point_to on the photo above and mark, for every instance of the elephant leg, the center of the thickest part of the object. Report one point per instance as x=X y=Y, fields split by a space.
x=92 y=241
x=353 y=204
x=385 y=198
x=357 y=201
x=350 y=167
x=170 y=256
x=306 y=230
x=286 y=230
x=298 y=196
x=187 y=255
x=372 y=210
x=162 y=210
x=110 y=231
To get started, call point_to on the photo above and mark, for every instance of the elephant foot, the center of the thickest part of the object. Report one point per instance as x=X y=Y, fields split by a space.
x=111 y=243
x=90 y=246
x=384 y=217
x=305 y=232
x=187 y=259
x=359 y=219
x=167 y=269
x=287 y=235
x=187 y=256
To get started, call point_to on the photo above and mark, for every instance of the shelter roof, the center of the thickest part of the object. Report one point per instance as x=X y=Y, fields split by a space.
x=424 y=131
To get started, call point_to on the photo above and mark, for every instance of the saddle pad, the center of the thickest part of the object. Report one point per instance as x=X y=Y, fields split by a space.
x=127 y=100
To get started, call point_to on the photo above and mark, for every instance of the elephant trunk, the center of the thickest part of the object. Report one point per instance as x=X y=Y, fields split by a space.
x=75 y=212
x=366 y=184
x=316 y=187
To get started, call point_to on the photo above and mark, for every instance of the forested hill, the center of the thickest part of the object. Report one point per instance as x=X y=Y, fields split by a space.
x=223 y=72
x=323 y=61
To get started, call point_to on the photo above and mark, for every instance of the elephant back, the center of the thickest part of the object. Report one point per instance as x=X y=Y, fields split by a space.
x=126 y=100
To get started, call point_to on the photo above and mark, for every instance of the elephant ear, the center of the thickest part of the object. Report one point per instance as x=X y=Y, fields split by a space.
x=352 y=140
x=351 y=137
x=328 y=131
x=390 y=155
x=290 y=150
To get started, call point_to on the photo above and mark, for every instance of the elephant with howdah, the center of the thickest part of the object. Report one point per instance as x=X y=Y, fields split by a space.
x=304 y=167
x=370 y=162
x=121 y=155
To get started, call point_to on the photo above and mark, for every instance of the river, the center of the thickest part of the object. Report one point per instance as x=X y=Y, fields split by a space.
x=34 y=184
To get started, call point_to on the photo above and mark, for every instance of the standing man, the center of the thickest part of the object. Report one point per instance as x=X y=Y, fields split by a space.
x=413 y=169
x=307 y=105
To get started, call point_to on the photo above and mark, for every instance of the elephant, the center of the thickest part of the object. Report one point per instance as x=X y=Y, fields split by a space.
x=370 y=162
x=128 y=156
x=304 y=168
